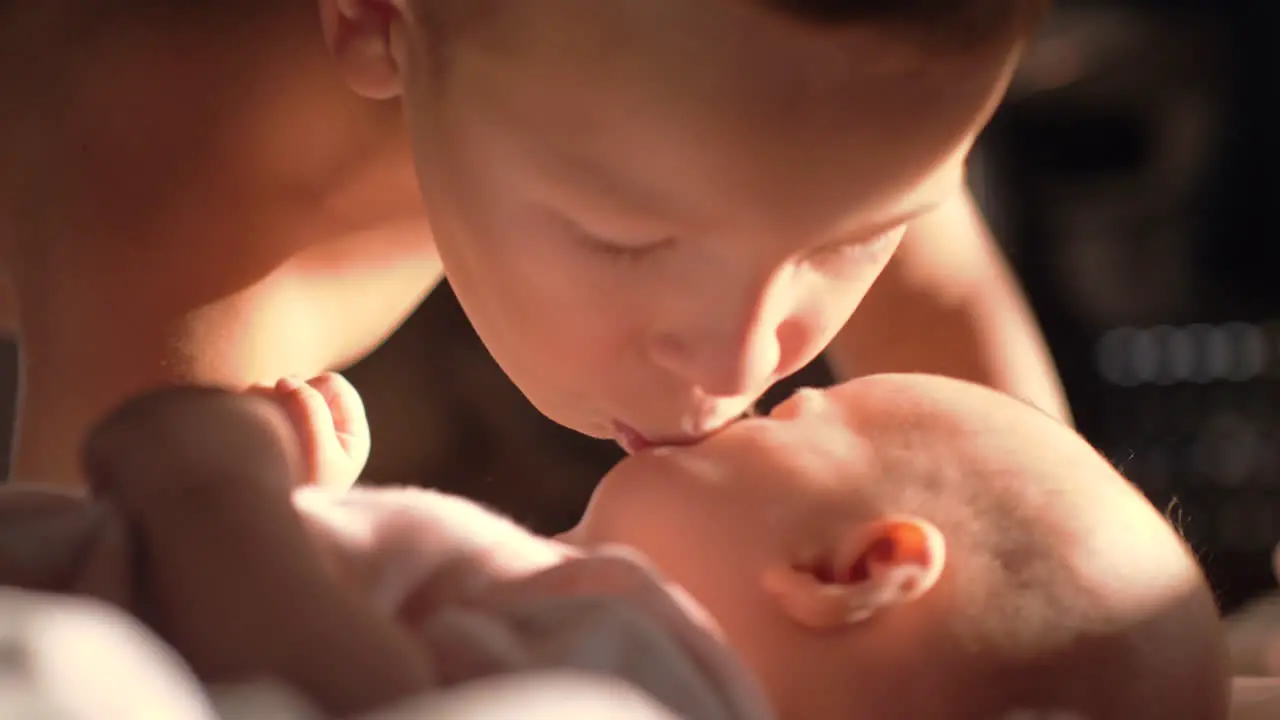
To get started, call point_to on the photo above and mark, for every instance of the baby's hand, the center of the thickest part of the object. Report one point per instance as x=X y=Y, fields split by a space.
x=328 y=415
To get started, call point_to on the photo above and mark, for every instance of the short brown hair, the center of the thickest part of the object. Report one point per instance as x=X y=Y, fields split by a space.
x=944 y=24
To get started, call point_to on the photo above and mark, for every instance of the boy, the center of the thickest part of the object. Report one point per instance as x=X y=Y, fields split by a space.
x=650 y=211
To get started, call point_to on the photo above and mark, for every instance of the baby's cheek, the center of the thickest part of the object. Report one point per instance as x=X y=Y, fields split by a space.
x=597 y=533
x=696 y=612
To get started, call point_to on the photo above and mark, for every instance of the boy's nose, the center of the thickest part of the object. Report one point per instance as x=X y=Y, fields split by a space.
x=721 y=364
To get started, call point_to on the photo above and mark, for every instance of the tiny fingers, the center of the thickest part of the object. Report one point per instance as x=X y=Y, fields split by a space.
x=346 y=409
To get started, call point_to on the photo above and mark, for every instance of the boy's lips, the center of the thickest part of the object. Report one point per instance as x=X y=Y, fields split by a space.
x=633 y=441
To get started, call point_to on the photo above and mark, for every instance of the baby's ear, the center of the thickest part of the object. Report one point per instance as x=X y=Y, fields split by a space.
x=358 y=33
x=872 y=568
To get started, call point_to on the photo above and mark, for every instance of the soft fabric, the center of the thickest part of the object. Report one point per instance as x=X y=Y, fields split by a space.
x=547 y=695
x=71 y=659
x=63 y=658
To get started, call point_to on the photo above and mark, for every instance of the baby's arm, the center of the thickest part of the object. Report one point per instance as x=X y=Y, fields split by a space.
x=486 y=598
x=949 y=304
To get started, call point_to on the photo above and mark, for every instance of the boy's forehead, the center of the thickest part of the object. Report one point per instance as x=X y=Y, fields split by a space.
x=710 y=29
x=735 y=53
x=716 y=103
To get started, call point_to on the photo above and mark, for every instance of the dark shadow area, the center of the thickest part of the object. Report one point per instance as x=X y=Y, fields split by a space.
x=1130 y=173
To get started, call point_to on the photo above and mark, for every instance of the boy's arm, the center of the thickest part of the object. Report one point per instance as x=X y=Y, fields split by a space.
x=948 y=303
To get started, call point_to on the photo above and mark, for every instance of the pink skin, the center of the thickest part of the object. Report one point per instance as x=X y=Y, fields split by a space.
x=645 y=250
x=329 y=418
x=632 y=441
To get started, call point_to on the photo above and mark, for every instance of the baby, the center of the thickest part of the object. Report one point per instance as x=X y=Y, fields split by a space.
x=915 y=547
x=911 y=546
x=899 y=546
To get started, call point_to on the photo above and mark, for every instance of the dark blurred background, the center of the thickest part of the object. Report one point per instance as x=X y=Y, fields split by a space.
x=1129 y=176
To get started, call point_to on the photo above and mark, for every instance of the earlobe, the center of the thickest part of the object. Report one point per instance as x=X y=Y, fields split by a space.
x=359 y=36
x=873 y=568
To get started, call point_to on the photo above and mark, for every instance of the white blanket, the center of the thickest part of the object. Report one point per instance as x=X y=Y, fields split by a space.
x=63 y=658
x=68 y=659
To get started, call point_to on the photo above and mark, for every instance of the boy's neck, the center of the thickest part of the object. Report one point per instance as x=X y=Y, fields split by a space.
x=92 y=339
x=84 y=354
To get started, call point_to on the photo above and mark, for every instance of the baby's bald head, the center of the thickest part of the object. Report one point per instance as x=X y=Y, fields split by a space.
x=902 y=546
x=1064 y=583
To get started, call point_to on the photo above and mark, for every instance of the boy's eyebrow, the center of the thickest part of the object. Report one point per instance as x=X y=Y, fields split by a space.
x=903 y=217
x=577 y=174
x=615 y=191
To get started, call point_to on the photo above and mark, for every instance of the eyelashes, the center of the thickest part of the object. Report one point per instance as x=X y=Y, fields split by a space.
x=628 y=253
x=860 y=250
x=866 y=247
x=638 y=247
x=620 y=252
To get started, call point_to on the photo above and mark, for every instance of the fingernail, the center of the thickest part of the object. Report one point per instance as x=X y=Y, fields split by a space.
x=288 y=383
x=41 y=545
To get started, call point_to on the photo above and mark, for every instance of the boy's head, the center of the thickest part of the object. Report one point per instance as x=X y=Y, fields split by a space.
x=653 y=209
x=910 y=546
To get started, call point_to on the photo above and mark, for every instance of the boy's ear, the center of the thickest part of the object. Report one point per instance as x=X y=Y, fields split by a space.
x=873 y=568
x=359 y=36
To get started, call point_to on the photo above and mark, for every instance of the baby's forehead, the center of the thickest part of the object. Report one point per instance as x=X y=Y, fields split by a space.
x=836 y=422
x=847 y=439
x=901 y=431
x=937 y=413
x=808 y=452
